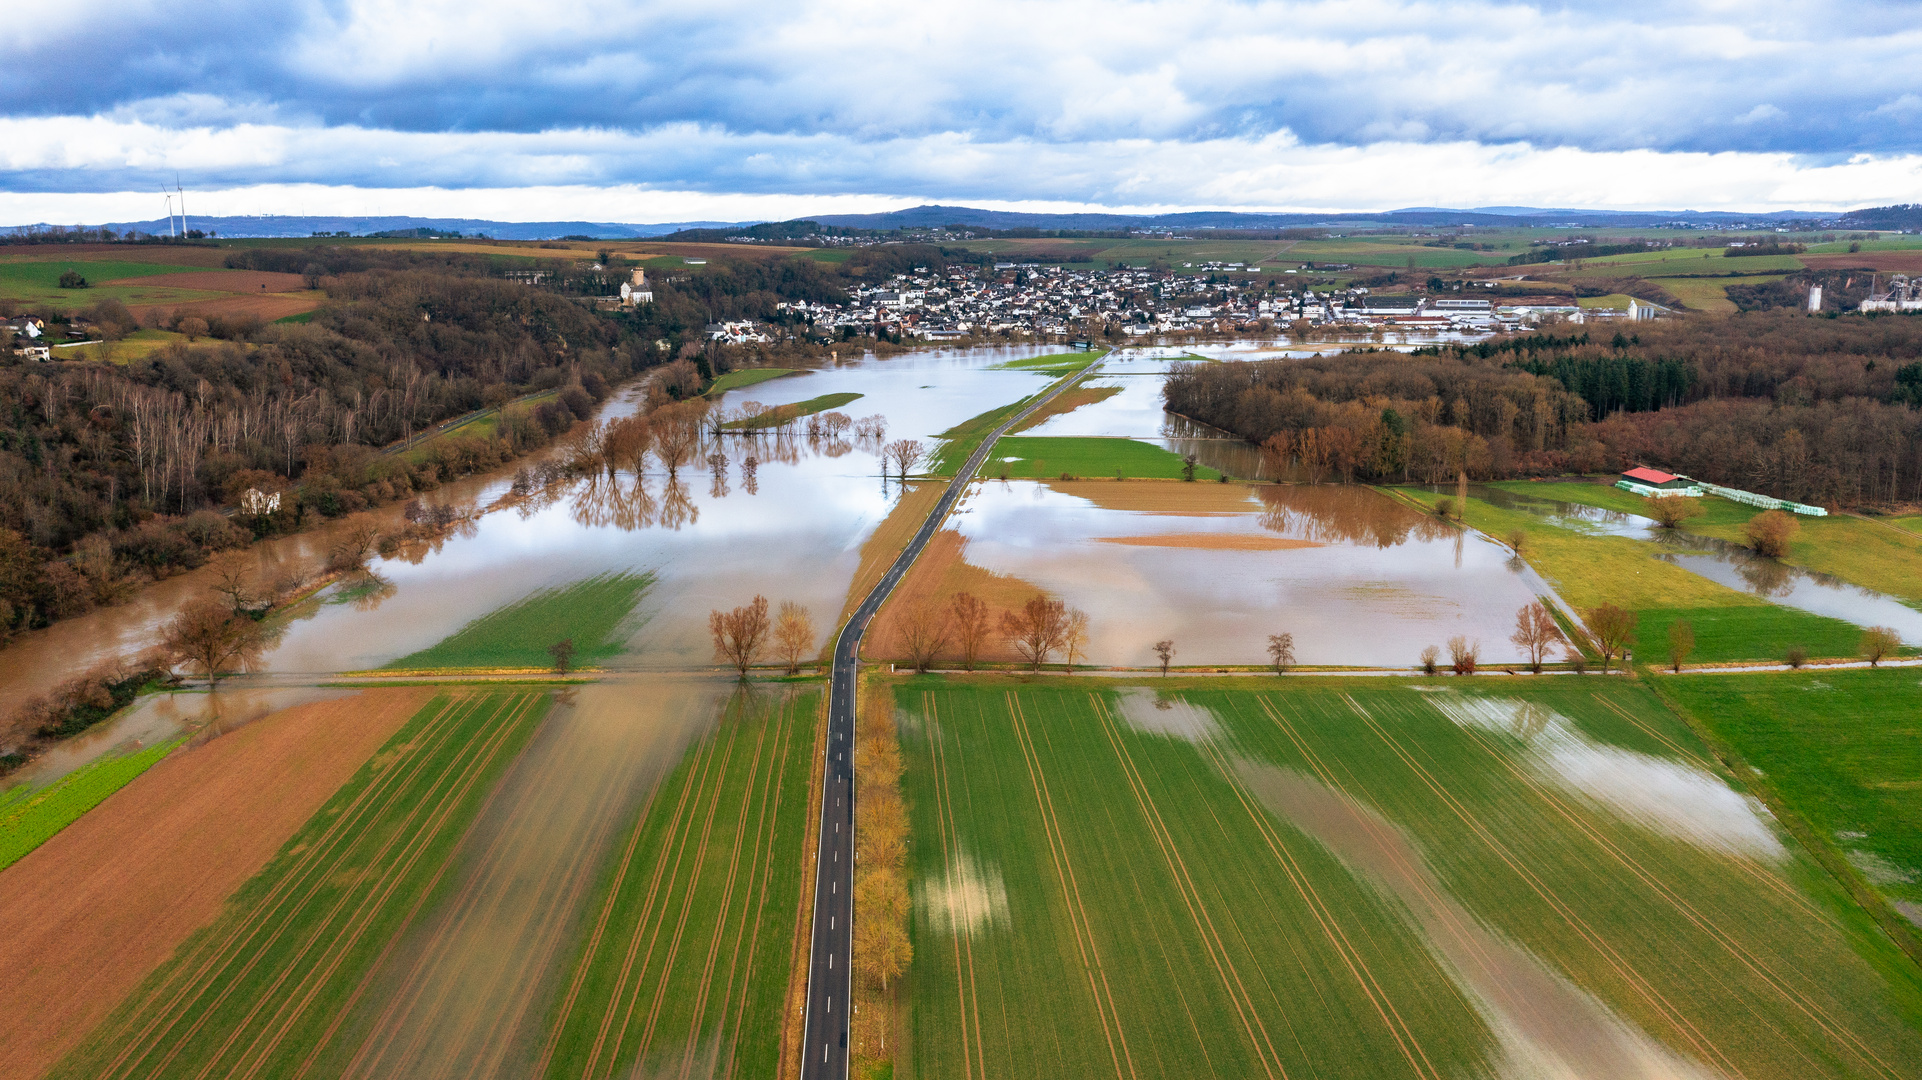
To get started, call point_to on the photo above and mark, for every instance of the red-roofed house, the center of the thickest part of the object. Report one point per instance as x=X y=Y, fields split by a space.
x=1643 y=480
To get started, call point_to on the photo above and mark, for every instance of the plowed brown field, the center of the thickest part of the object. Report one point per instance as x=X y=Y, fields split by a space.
x=90 y=912
x=268 y=306
x=1159 y=497
x=942 y=571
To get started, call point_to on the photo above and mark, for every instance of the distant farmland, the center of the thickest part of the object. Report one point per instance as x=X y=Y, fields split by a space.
x=1323 y=878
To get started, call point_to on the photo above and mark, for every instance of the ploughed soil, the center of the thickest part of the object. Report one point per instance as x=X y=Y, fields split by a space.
x=147 y=253
x=1211 y=541
x=92 y=911
x=235 y=281
x=268 y=306
x=942 y=571
x=1886 y=262
x=1162 y=496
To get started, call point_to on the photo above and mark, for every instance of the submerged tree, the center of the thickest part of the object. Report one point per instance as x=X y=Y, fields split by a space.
x=1770 y=531
x=1281 y=649
x=1462 y=654
x=1430 y=660
x=793 y=634
x=1672 y=511
x=563 y=653
x=1535 y=633
x=738 y=634
x=903 y=453
x=210 y=636
x=968 y=615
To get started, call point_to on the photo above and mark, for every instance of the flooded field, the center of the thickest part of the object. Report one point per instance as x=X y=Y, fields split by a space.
x=1726 y=564
x=1355 y=577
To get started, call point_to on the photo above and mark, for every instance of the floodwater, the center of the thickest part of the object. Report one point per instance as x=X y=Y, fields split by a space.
x=1375 y=583
x=1727 y=564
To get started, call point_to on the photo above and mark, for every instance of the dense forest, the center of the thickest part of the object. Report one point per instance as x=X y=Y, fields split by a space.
x=1815 y=409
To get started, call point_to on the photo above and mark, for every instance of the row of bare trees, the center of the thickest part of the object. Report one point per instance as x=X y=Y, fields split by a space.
x=882 y=950
x=964 y=626
x=742 y=635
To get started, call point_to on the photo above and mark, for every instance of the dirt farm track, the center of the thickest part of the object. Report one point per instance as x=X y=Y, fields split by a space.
x=92 y=911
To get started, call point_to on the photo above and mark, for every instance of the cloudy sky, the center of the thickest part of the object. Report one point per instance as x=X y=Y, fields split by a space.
x=632 y=110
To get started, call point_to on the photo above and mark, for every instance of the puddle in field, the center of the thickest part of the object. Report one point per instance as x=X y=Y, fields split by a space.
x=470 y=988
x=1543 y=1024
x=969 y=897
x=1670 y=798
x=1147 y=711
x=1726 y=564
x=1368 y=580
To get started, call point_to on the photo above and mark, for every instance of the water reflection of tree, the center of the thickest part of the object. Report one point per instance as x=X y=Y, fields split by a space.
x=717 y=475
x=677 y=506
x=600 y=502
x=1766 y=577
x=368 y=591
x=750 y=476
x=1339 y=514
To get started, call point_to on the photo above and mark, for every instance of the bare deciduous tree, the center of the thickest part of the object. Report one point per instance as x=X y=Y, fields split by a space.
x=793 y=634
x=968 y=614
x=1281 y=649
x=1681 y=642
x=1462 y=654
x=1878 y=642
x=738 y=634
x=1430 y=660
x=208 y=635
x=1165 y=649
x=233 y=574
x=1670 y=512
x=1074 y=635
x=1613 y=629
x=563 y=653
x=923 y=631
x=677 y=432
x=354 y=544
x=627 y=442
x=1035 y=629
x=1535 y=633
x=903 y=453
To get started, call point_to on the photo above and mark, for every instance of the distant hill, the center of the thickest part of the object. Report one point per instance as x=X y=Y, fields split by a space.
x=278 y=225
x=1907 y=216
x=921 y=217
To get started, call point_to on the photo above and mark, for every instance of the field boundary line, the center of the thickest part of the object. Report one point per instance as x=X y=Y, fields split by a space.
x=1844 y=1036
x=699 y=1008
x=765 y=841
x=1225 y=969
x=189 y=985
x=794 y=999
x=950 y=846
x=1071 y=890
x=370 y=907
x=675 y=849
x=1613 y=959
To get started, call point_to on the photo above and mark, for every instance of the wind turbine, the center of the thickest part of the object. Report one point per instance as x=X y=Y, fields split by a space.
x=183 y=205
x=170 y=212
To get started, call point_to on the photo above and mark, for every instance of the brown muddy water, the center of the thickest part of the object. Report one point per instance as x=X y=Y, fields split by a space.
x=1376 y=583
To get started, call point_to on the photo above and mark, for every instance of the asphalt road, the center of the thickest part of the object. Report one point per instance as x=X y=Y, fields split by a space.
x=825 y=1039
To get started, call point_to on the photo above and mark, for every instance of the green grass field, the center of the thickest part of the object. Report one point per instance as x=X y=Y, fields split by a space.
x=1054 y=365
x=268 y=987
x=1860 y=551
x=31 y=817
x=784 y=414
x=686 y=953
x=1588 y=571
x=1356 y=878
x=736 y=380
x=1046 y=456
x=594 y=612
x=1843 y=749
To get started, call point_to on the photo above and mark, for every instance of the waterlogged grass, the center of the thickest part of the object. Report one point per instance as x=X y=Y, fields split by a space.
x=1363 y=878
x=29 y=818
x=686 y=956
x=1589 y=571
x=783 y=414
x=1843 y=749
x=595 y=613
x=1053 y=364
x=735 y=380
x=1047 y=457
x=267 y=988
x=1857 y=550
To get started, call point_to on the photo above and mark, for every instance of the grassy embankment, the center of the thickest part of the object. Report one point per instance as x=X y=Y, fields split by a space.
x=1589 y=571
x=686 y=944
x=269 y=986
x=787 y=414
x=1857 y=550
x=486 y=425
x=746 y=377
x=1065 y=402
x=1048 y=457
x=1343 y=880
x=595 y=613
x=960 y=440
x=1842 y=751
x=30 y=817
